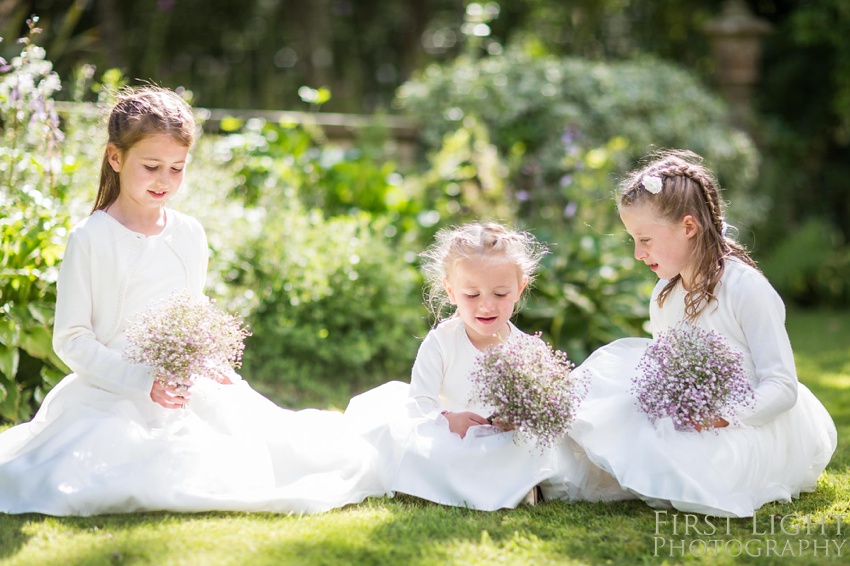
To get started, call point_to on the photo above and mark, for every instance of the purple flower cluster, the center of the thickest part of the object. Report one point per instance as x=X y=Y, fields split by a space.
x=692 y=376
x=531 y=387
x=184 y=338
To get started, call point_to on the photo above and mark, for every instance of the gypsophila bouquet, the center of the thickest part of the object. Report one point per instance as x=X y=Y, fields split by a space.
x=184 y=338
x=531 y=387
x=692 y=376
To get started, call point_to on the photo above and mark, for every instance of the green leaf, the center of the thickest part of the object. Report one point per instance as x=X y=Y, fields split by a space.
x=9 y=358
x=10 y=397
x=38 y=342
x=230 y=124
x=9 y=332
x=41 y=312
x=51 y=376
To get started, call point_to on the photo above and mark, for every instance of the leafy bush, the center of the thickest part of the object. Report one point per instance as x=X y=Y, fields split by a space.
x=809 y=266
x=33 y=226
x=327 y=286
x=590 y=290
x=324 y=176
x=333 y=306
x=538 y=111
x=540 y=142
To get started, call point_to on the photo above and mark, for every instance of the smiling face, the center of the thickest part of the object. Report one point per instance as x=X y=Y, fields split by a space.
x=667 y=248
x=150 y=172
x=485 y=290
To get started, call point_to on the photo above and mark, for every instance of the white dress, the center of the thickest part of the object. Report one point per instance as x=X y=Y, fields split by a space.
x=778 y=449
x=99 y=444
x=485 y=470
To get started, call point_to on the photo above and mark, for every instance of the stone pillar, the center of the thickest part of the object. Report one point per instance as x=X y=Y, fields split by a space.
x=736 y=37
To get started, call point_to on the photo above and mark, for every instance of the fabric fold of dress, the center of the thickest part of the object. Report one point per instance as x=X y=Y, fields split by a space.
x=90 y=452
x=488 y=469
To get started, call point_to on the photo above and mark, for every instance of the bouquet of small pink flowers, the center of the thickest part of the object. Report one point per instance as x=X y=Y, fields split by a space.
x=531 y=387
x=693 y=376
x=185 y=337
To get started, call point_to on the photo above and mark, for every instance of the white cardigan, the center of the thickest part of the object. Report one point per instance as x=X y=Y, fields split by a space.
x=91 y=288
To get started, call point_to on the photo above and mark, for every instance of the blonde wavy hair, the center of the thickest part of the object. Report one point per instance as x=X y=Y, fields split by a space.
x=476 y=240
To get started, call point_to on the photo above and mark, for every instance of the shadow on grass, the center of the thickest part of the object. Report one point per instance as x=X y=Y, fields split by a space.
x=555 y=532
x=12 y=535
x=420 y=532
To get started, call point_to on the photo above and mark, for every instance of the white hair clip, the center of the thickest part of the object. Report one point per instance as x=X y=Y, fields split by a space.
x=652 y=183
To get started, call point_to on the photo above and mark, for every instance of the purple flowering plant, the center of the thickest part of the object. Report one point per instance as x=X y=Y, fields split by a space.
x=185 y=337
x=693 y=376
x=531 y=387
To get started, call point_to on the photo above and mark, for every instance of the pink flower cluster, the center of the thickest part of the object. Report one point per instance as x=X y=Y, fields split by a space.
x=531 y=387
x=692 y=376
x=184 y=338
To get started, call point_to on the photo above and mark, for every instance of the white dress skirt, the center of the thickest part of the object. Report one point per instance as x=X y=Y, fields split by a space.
x=489 y=468
x=771 y=451
x=731 y=471
x=99 y=445
x=89 y=451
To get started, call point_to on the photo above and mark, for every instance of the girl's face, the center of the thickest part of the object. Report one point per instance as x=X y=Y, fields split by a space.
x=150 y=172
x=664 y=246
x=485 y=291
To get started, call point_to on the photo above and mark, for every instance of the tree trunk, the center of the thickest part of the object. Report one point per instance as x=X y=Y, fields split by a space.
x=111 y=32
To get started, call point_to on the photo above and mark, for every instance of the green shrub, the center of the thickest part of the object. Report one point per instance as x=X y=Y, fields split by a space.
x=809 y=265
x=327 y=286
x=590 y=290
x=333 y=305
x=541 y=142
x=539 y=111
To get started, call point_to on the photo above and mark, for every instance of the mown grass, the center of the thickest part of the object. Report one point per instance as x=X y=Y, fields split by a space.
x=409 y=531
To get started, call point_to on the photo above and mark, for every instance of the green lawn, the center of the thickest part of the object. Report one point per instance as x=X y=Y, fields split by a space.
x=407 y=531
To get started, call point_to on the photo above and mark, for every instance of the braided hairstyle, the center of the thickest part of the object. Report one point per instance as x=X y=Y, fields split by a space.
x=688 y=188
x=475 y=240
x=139 y=113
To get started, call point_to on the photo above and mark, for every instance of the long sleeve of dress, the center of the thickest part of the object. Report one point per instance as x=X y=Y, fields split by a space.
x=427 y=376
x=760 y=314
x=74 y=337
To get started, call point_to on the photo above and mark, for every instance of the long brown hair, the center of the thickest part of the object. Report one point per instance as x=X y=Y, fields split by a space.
x=141 y=112
x=688 y=188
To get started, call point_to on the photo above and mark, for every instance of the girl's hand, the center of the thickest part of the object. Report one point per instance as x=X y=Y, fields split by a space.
x=717 y=423
x=459 y=423
x=170 y=399
x=500 y=424
x=221 y=373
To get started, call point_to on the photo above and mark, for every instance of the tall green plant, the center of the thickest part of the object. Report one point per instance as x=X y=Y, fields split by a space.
x=33 y=227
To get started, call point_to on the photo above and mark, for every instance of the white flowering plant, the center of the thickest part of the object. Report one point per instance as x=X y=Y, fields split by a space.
x=531 y=387
x=693 y=376
x=184 y=338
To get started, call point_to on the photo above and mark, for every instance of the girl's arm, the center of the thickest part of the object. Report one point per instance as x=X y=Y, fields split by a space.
x=760 y=313
x=426 y=382
x=426 y=378
x=74 y=338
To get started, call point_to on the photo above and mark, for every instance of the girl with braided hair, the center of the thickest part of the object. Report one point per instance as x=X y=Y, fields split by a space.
x=769 y=451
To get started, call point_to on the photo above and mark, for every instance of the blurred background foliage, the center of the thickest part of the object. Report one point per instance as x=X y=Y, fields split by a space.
x=528 y=112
